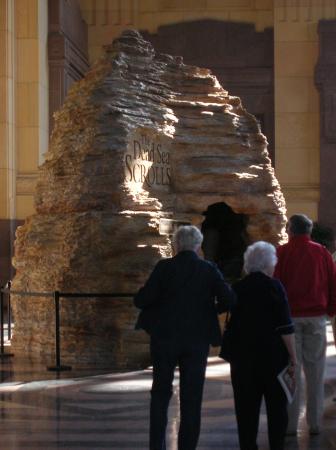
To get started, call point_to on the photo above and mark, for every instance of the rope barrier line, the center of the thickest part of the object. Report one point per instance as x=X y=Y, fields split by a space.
x=27 y=294
x=66 y=294
x=56 y=295
x=79 y=294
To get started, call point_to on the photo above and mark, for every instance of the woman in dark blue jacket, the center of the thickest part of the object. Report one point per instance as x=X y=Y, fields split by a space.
x=263 y=336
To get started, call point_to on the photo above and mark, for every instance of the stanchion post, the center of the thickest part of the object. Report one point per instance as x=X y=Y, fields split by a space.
x=57 y=330
x=1 y=321
x=58 y=367
x=9 y=312
x=2 y=340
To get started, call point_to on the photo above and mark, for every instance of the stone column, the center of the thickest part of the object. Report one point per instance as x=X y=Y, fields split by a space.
x=31 y=20
x=7 y=135
x=326 y=83
x=296 y=105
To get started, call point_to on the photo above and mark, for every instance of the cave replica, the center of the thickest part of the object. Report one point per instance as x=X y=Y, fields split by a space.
x=142 y=144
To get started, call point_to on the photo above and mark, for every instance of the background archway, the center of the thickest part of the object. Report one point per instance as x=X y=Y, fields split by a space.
x=225 y=239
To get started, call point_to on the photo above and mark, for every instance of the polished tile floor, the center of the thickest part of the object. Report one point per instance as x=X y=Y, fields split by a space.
x=80 y=410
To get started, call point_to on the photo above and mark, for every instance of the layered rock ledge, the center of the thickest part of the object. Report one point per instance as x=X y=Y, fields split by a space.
x=142 y=143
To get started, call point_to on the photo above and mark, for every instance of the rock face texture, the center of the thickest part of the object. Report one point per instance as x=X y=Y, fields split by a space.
x=142 y=143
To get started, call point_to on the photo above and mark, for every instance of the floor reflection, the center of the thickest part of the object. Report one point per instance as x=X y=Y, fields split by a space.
x=90 y=410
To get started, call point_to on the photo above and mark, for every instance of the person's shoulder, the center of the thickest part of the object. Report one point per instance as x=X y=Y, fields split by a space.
x=209 y=266
x=207 y=263
x=282 y=247
x=162 y=263
x=277 y=285
x=275 y=282
x=316 y=245
x=241 y=285
x=327 y=255
x=281 y=251
x=319 y=249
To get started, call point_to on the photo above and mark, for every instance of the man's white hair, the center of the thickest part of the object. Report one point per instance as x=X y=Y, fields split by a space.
x=260 y=257
x=187 y=237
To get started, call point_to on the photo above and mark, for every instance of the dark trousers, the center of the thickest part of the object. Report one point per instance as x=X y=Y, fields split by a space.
x=192 y=360
x=249 y=387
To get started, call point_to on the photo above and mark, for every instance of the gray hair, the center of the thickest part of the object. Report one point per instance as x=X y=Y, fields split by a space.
x=260 y=257
x=300 y=224
x=187 y=237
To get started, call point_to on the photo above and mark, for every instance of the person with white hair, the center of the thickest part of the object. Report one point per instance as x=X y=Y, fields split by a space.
x=263 y=345
x=179 y=305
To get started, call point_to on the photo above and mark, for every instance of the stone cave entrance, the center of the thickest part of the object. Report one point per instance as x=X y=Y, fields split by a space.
x=225 y=239
x=154 y=163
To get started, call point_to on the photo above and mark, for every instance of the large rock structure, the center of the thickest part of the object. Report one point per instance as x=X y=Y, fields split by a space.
x=141 y=144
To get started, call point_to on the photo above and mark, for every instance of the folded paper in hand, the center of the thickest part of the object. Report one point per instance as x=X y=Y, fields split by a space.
x=288 y=383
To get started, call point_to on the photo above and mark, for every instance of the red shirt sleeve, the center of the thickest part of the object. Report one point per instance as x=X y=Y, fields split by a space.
x=331 y=308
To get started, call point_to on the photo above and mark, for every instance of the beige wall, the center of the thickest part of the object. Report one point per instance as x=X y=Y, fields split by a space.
x=297 y=116
x=297 y=110
x=23 y=102
x=31 y=20
x=7 y=110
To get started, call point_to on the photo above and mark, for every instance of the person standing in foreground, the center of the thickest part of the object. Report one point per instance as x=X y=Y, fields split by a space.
x=263 y=345
x=179 y=304
x=307 y=271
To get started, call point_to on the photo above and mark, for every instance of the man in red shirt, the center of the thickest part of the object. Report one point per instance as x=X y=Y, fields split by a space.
x=308 y=272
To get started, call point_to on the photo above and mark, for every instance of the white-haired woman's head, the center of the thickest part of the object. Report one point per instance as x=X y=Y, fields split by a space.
x=260 y=257
x=187 y=237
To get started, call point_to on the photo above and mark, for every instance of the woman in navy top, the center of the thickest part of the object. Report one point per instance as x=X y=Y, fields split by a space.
x=263 y=336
